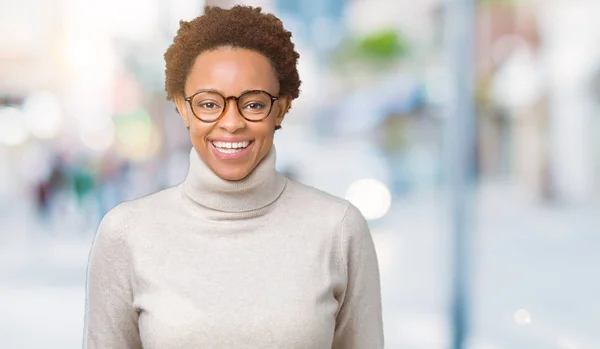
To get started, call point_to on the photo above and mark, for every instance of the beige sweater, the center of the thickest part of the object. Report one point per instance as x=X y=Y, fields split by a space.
x=260 y=263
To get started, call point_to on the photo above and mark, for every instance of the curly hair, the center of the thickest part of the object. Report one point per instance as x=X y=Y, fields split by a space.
x=241 y=26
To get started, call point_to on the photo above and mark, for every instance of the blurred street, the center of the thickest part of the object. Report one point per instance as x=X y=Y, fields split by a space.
x=385 y=100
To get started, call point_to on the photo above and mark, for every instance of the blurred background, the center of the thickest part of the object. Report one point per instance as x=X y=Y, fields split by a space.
x=84 y=125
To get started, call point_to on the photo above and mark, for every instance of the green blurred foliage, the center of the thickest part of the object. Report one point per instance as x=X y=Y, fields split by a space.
x=384 y=45
x=377 y=48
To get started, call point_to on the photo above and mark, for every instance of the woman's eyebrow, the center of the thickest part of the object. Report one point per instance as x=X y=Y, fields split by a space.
x=223 y=94
x=209 y=90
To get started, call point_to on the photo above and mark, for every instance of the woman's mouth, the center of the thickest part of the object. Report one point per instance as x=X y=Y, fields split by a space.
x=230 y=147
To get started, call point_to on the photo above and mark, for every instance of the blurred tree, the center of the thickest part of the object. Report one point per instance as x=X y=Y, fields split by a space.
x=380 y=47
x=384 y=45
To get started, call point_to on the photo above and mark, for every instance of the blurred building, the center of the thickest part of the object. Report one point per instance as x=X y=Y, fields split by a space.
x=536 y=107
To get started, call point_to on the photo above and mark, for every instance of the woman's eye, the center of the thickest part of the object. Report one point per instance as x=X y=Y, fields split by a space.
x=208 y=105
x=255 y=106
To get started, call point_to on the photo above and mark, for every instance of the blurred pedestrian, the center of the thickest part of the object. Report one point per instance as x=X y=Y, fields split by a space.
x=42 y=199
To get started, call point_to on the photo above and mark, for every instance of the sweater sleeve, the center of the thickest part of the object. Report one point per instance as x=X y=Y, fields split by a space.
x=359 y=322
x=110 y=318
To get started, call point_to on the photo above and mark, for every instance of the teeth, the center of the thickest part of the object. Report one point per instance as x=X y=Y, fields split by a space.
x=231 y=145
x=228 y=151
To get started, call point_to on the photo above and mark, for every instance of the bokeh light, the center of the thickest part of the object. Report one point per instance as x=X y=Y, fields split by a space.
x=522 y=317
x=13 y=130
x=43 y=115
x=136 y=137
x=371 y=197
x=99 y=139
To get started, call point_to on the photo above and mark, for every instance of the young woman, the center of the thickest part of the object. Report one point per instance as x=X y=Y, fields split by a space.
x=236 y=256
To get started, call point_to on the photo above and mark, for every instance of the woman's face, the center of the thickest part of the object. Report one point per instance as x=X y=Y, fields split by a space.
x=231 y=71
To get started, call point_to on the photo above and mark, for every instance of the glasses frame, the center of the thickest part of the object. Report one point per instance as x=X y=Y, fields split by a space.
x=226 y=99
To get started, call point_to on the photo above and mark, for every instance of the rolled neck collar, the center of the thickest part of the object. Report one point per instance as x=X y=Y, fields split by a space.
x=259 y=189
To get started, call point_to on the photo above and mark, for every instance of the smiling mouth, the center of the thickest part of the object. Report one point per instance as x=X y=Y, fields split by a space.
x=230 y=147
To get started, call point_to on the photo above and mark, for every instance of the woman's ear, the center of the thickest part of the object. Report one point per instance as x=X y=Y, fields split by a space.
x=182 y=109
x=285 y=104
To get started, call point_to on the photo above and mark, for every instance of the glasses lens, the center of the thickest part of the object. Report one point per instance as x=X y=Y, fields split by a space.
x=255 y=105
x=208 y=106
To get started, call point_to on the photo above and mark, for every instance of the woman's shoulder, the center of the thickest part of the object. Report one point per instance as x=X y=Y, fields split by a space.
x=147 y=204
x=306 y=201
x=305 y=191
x=304 y=195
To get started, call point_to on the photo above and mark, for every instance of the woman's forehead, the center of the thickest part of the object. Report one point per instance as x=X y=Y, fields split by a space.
x=232 y=70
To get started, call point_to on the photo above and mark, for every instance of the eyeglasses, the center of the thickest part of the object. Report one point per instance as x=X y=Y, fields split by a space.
x=209 y=105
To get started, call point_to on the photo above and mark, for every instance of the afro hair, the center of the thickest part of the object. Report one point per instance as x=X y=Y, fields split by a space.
x=242 y=27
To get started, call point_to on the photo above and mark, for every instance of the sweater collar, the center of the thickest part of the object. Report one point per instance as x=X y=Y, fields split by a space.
x=259 y=189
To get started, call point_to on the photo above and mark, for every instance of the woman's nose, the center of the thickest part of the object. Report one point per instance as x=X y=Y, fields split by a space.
x=232 y=120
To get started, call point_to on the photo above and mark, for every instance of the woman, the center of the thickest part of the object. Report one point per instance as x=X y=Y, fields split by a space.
x=236 y=256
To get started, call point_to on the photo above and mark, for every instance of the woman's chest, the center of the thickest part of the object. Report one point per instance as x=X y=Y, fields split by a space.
x=238 y=298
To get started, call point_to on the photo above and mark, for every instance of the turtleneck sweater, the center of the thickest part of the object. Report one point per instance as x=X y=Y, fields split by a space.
x=264 y=262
